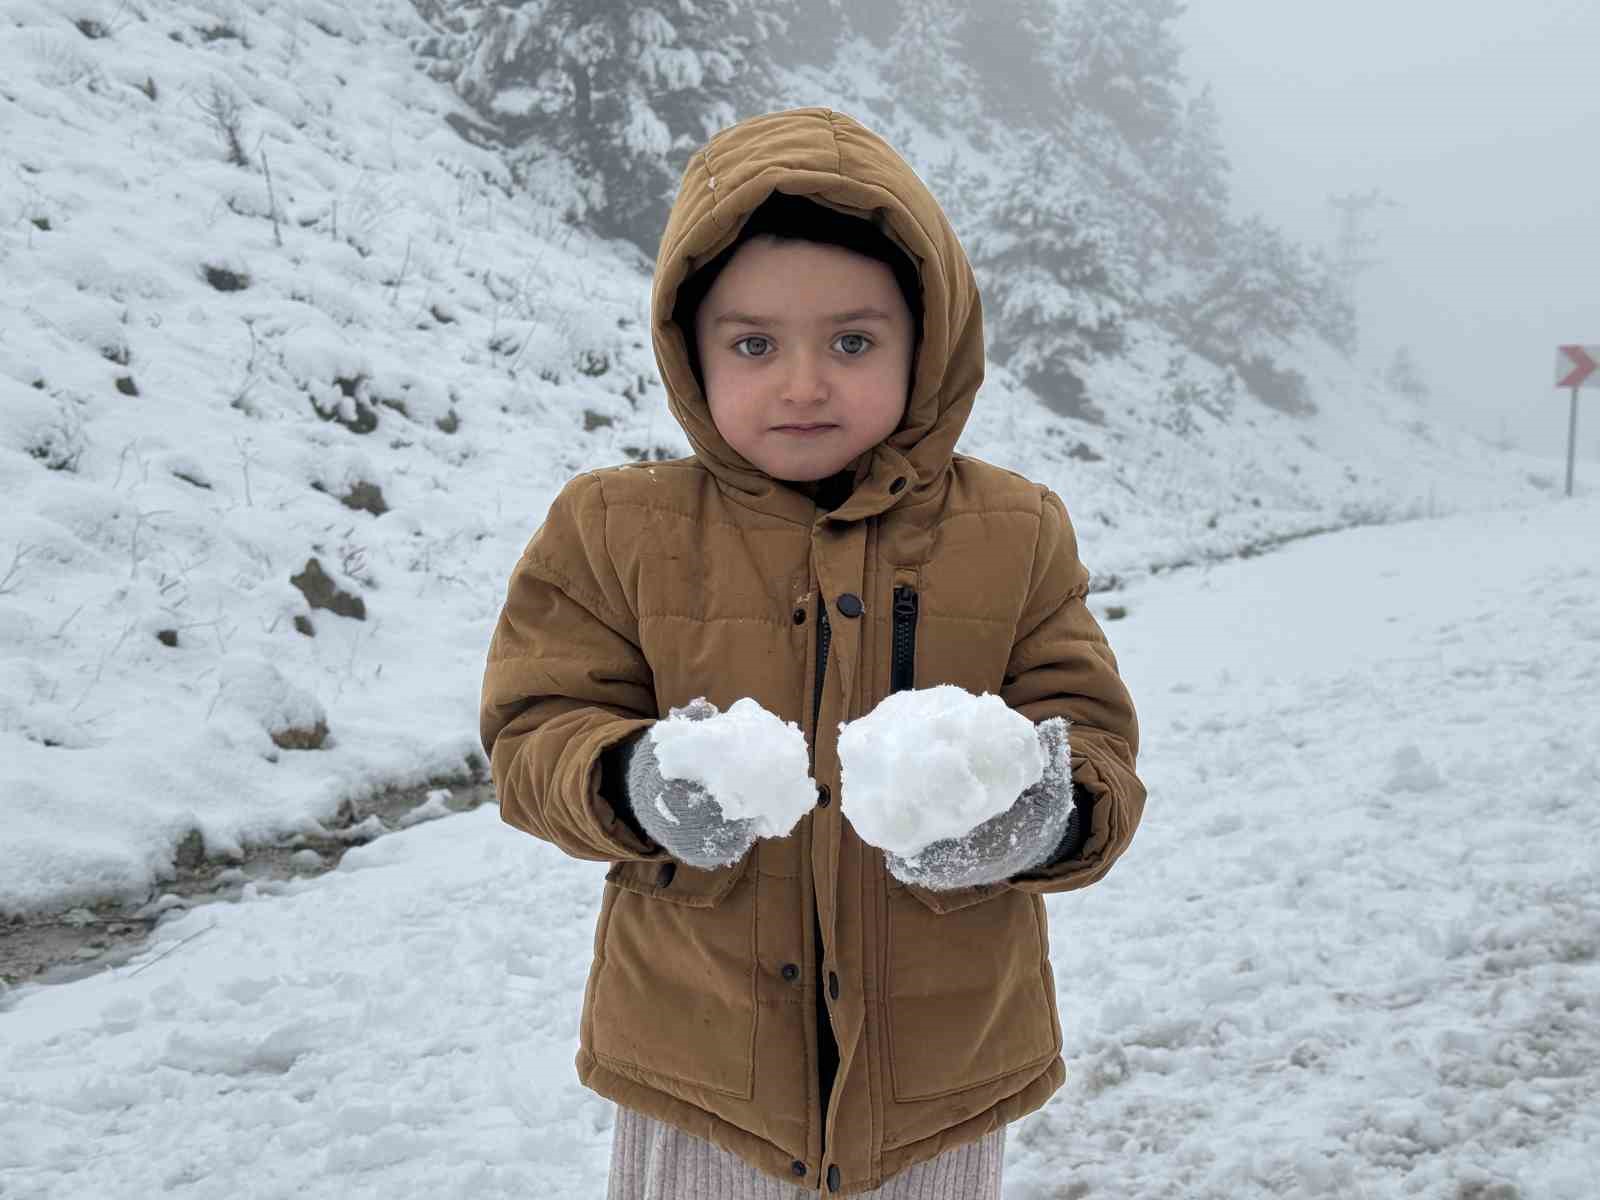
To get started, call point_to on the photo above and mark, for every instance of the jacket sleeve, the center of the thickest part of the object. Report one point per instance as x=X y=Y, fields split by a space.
x=565 y=681
x=1061 y=666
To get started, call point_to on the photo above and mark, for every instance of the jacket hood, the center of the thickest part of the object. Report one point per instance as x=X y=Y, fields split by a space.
x=833 y=160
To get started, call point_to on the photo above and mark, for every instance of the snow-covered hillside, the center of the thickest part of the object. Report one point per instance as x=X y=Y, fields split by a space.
x=1352 y=954
x=191 y=414
x=288 y=374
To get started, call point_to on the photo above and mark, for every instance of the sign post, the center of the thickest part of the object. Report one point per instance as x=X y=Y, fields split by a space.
x=1576 y=367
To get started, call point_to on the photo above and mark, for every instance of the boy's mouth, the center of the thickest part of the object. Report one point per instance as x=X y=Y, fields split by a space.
x=813 y=428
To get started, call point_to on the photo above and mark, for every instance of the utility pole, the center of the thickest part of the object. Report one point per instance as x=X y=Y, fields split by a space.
x=1353 y=250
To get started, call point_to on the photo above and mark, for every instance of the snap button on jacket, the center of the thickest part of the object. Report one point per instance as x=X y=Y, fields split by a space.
x=651 y=584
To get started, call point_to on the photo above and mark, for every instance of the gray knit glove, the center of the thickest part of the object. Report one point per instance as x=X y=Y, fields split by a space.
x=679 y=815
x=1025 y=836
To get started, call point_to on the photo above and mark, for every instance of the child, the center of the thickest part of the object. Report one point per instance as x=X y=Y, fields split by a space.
x=803 y=1014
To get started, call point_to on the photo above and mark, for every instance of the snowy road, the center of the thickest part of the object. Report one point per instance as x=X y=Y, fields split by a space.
x=1354 y=951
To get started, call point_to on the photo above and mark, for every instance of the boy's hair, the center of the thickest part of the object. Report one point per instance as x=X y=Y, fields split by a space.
x=794 y=218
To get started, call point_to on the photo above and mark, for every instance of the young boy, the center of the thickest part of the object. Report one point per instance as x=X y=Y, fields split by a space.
x=789 y=1015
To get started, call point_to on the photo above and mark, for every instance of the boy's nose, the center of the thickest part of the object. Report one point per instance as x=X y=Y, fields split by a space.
x=807 y=380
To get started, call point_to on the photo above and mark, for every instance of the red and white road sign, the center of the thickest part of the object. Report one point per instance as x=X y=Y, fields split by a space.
x=1578 y=366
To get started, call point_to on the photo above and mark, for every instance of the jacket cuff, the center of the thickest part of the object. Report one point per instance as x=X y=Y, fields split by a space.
x=1077 y=832
x=614 y=785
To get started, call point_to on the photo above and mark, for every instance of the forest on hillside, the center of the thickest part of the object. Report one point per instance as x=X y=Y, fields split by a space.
x=1085 y=170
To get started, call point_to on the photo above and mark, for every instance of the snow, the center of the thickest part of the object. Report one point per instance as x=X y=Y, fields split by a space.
x=1352 y=952
x=489 y=349
x=1299 y=981
x=150 y=632
x=933 y=763
x=435 y=805
x=754 y=763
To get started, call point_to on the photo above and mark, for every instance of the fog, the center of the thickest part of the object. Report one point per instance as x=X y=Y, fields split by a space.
x=1481 y=122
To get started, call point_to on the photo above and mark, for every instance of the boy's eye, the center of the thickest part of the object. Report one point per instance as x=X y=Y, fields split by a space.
x=755 y=345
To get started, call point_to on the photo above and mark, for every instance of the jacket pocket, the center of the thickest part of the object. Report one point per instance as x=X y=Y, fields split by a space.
x=955 y=898
x=674 y=991
x=676 y=882
x=970 y=992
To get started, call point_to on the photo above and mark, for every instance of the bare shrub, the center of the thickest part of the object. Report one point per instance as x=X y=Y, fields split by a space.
x=60 y=444
x=220 y=107
x=10 y=581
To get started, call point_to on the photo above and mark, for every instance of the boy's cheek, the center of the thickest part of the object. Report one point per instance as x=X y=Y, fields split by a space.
x=723 y=415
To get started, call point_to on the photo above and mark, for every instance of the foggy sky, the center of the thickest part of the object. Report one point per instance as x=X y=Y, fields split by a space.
x=1481 y=120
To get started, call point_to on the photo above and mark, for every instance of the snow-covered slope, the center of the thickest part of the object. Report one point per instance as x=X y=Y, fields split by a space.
x=1354 y=950
x=177 y=444
x=359 y=359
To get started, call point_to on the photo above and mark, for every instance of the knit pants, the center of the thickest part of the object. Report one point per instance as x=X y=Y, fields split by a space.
x=651 y=1160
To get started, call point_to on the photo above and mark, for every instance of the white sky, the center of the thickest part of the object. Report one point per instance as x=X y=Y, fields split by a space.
x=1481 y=120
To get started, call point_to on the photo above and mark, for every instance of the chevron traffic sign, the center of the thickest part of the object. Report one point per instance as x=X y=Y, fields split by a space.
x=1578 y=366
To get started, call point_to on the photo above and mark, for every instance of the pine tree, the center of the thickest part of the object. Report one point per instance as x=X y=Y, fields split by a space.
x=1122 y=59
x=623 y=92
x=1404 y=376
x=1195 y=195
x=925 y=62
x=1005 y=45
x=1057 y=283
x=1260 y=291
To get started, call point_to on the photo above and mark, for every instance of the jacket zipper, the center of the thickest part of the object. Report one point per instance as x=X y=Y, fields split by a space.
x=903 y=669
x=902 y=677
x=825 y=1081
x=824 y=633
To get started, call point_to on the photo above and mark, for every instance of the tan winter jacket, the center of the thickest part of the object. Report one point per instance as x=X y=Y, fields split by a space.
x=651 y=584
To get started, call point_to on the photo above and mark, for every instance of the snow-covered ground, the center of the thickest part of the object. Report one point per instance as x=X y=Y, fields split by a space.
x=191 y=413
x=359 y=345
x=1354 y=951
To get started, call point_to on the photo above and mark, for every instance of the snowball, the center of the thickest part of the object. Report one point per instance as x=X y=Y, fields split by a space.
x=933 y=763
x=753 y=762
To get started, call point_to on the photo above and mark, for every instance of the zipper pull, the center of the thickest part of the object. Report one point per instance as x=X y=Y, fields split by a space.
x=905 y=602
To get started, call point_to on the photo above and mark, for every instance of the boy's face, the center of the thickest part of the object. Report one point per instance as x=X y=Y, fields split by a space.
x=806 y=354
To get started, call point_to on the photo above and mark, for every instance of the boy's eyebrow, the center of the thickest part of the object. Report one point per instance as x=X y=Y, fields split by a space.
x=855 y=314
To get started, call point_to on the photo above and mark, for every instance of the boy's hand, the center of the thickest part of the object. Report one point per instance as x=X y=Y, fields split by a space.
x=680 y=815
x=1026 y=835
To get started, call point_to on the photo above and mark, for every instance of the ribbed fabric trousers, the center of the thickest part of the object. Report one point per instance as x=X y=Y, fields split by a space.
x=651 y=1160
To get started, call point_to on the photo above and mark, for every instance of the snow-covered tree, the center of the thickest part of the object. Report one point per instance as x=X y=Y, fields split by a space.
x=1404 y=376
x=1005 y=45
x=1194 y=193
x=623 y=91
x=1259 y=291
x=1054 y=274
x=1122 y=60
x=925 y=62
